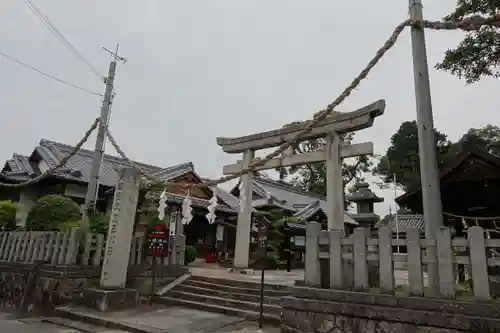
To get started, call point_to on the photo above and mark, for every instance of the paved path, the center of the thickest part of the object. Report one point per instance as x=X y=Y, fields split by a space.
x=275 y=276
x=10 y=325
x=270 y=276
x=172 y=320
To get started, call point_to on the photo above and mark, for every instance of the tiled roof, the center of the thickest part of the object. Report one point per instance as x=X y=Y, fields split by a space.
x=296 y=226
x=78 y=167
x=406 y=221
x=227 y=198
x=289 y=197
x=196 y=202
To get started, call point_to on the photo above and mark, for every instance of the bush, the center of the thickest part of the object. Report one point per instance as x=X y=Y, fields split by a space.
x=67 y=226
x=99 y=224
x=51 y=212
x=189 y=254
x=272 y=262
x=8 y=210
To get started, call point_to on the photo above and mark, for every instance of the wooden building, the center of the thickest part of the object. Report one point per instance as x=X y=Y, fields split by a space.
x=470 y=188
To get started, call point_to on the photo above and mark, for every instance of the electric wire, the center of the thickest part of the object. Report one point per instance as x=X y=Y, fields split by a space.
x=57 y=33
x=48 y=75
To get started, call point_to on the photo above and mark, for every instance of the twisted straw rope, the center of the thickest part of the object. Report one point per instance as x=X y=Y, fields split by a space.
x=61 y=163
x=469 y=24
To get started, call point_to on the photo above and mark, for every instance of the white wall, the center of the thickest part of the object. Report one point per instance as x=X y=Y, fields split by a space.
x=75 y=191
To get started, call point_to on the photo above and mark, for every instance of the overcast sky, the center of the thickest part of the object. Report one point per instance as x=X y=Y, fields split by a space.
x=201 y=69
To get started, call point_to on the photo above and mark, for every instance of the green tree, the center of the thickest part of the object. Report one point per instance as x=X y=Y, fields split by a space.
x=8 y=210
x=478 y=54
x=51 y=212
x=276 y=238
x=312 y=177
x=402 y=156
x=487 y=138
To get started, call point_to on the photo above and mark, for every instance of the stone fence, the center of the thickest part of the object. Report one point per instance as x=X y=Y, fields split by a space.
x=68 y=262
x=351 y=260
x=351 y=284
x=72 y=249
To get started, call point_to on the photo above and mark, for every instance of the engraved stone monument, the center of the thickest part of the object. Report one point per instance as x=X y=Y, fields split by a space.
x=112 y=293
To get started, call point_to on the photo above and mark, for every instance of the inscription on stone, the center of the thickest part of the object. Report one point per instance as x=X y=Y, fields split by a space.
x=121 y=225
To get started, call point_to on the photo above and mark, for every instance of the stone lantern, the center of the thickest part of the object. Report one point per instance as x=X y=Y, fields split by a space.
x=364 y=199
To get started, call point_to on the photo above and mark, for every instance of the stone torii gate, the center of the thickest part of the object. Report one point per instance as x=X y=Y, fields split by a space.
x=331 y=128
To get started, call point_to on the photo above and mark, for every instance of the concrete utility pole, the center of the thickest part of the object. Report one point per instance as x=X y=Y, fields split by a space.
x=92 y=189
x=431 y=193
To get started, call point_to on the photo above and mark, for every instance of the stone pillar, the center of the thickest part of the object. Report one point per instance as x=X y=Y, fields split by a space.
x=334 y=183
x=27 y=199
x=112 y=294
x=121 y=226
x=219 y=242
x=174 y=231
x=242 y=246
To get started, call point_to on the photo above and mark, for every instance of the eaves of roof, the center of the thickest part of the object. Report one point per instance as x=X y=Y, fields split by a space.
x=200 y=203
x=78 y=167
x=467 y=151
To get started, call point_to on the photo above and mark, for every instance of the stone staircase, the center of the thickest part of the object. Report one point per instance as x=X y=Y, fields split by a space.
x=231 y=297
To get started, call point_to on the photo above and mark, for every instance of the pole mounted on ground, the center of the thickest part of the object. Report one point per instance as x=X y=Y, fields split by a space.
x=93 y=185
x=431 y=193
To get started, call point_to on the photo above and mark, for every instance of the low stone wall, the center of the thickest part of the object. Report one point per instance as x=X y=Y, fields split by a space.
x=61 y=284
x=311 y=310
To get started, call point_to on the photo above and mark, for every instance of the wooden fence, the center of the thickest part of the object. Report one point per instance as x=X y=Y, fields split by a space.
x=69 y=248
x=359 y=252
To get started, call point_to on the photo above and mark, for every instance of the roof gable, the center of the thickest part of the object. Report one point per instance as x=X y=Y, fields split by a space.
x=78 y=166
x=471 y=163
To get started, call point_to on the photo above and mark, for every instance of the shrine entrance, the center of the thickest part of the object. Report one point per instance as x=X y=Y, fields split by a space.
x=330 y=129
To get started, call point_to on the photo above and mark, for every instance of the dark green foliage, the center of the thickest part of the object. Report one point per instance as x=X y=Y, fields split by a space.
x=51 y=211
x=8 y=210
x=189 y=254
x=478 y=54
x=275 y=236
x=272 y=261
x=99 y=224
x=312 y=177
x=402 y=157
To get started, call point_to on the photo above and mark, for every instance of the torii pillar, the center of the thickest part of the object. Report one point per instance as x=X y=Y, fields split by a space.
x=335 y=150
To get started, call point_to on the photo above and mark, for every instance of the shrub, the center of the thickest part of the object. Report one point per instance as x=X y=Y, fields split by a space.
x=99 y=224
x=189 y=254
x=8 y=210
x=51 y=212
x=272 y=262
x=67 y=226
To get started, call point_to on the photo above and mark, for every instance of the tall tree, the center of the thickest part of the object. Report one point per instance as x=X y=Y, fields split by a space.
x=312 y=177
x=402 y=158
x=478 y=54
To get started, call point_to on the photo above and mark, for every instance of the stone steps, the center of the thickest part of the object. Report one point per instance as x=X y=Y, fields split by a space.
x=228 y=301
x=271 y=300
x=230 y=297
x=241 y=284
x=230 y=311
x=254 y=290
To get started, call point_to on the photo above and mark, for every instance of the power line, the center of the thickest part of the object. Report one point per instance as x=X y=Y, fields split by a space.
x=48 y=75
x=45 y=20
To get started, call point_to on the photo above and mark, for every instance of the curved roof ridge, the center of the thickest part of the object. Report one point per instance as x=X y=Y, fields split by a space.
x=289 y=187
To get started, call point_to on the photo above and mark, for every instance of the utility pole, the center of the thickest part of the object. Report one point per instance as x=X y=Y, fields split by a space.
x=93 y=186
x=431 y=193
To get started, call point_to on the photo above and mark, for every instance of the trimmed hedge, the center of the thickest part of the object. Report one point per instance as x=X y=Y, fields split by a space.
x=51 y=212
